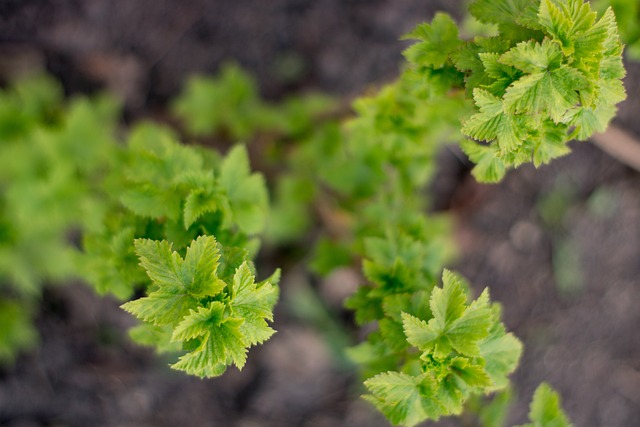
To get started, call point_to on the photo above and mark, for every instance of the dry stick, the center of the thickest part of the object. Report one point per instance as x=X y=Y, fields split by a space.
x=620 y=145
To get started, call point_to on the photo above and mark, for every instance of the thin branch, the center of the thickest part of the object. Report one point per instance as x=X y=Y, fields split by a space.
x=620 y=145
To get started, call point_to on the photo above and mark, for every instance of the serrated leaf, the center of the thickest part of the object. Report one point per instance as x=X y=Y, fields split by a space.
x=492 y=122
x=471 y=327
x=199 y=322
x=454 y=326
x=489 y=167
x=403 y=399
x=179 y=283
x=253 y=303
x=548 y=148
x=162 y=307
x=566 y=21
x=496 y=68
x=588 y=121
x=437 y=41
x=222 y=343
x=194 y=275
x=533 y=57
x=448 y=303
x=501 y=352
x=418 y=333
x=471 y=374
x=200 y=266
x=549 y=92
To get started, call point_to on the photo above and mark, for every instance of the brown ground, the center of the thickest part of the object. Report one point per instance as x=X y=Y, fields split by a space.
x=582 y=338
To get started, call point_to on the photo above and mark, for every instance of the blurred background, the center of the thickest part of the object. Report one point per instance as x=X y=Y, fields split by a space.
x=559 y=247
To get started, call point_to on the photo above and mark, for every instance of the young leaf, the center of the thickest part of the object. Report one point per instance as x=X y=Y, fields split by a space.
x=492 y=122
x=221 y=341
x=437 y=41
x=179 y=283
x=501 y=353
x=545 y=410
x=246 y=192
x=253 y=303
x=455 y=325
x=403 y=399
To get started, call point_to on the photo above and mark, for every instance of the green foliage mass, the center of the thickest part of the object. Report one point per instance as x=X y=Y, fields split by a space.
x=551 y=73
x=627 y=15
x=48 y=192
x=440 y=354
x=56 y=189
x=165 y=190
x=230 y=104
x=181 y=224
x=194 y=216
x=206 y=303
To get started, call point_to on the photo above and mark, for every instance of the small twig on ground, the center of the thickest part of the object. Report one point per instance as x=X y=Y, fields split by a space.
x=620 y=145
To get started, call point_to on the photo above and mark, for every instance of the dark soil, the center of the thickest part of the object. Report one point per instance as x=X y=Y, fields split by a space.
x=582 y=338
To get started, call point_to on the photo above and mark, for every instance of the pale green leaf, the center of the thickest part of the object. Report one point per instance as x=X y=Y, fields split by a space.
x=162 y=266
x=489 y=167
x=533 y=57
x=253 y=303
x=473 y=375
x=155 y=336
x=501 y=353
x=200 y=266
x=200 y=322
x=565 y=21
x=549 y=92
x=455 y=325
x=247 y=193
x=221 y=344
x=162 y=307
x=492 y=122
x=437 y=41
x=403 y=399
x=465 y=332
x=418 y=333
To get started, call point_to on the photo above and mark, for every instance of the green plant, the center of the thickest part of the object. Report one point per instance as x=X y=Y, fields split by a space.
x=49 y=190
x=182 y=224
x=627 y=13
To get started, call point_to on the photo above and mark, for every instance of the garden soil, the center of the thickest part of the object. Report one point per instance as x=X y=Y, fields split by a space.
x=559 y=247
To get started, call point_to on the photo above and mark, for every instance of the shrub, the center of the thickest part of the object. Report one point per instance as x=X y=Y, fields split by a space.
x=182 y=224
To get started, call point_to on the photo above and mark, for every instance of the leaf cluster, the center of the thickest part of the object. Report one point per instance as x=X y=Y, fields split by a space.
x=48 y=192
x=552 y=73
x=108 y=195
x=207 y=304
x=230 y=104
x=434 y=350
x=627 y=15
x=164 y=190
